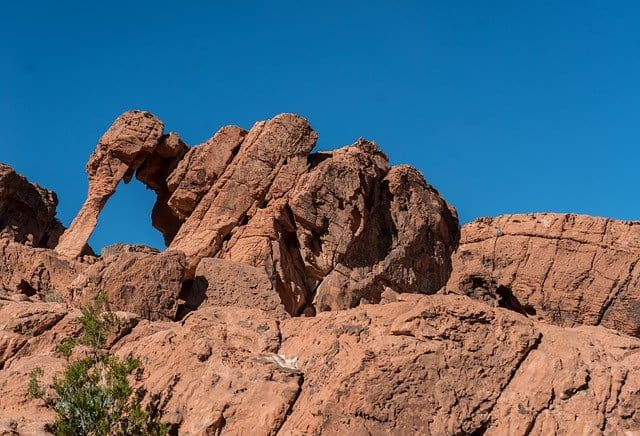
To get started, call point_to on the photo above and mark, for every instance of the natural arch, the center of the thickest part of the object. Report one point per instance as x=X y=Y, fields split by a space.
x=134 y=143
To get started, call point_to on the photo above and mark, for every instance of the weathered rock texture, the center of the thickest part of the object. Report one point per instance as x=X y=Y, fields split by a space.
x=196 y=173
x=422 y=365
x=404 y=368
x=35 y=271
x=221 y=282
x=260 y=229
x=568 y=269
x=122 y=149
x=143 y=283
x=27 y=211
x=329 y=229
x=576 y=381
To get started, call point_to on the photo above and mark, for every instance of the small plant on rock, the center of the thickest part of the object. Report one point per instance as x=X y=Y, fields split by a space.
x=53 y=298
x=93 y=396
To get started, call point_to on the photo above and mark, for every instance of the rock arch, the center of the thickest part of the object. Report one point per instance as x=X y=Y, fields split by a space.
x=134 y=142
x=330 y=229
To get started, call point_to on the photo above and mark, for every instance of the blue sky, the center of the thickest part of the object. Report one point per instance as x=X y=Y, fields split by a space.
x=505 y=106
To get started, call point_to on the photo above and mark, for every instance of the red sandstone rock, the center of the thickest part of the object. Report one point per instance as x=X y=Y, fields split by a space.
x=240 y=190
x=27 y=211
x=153 y=172
x=338 y=233
x=567 y=269
x=421 y=365
x=200 y=168
x=331 y=230
x=146 y=284
x=262 y=226
x=120 y=151
x=220 y=282
x=209 y=371
x=35 y=271
x=576 y=381
x=436 y=365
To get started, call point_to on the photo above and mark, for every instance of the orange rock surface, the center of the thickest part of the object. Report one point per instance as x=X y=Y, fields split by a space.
x=313 y=293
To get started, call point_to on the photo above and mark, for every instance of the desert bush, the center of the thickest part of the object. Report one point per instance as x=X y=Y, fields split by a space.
x=93 y=396
x=52 y=298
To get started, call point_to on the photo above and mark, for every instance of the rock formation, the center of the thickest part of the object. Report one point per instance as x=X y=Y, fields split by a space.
x=421 y=365
x=303 y=293
x=35 y=271
x=27 y=211
x=146 y=284
x=568 y=269
x=132 y=138
x=330 y=229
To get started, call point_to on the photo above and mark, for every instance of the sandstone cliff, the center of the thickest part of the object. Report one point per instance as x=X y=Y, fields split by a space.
x=541 y=338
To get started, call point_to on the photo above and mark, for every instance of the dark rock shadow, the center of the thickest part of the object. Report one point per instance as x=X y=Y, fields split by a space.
x=193 y=293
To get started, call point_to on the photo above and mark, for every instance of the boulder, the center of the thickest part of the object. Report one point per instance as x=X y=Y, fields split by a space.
x=36 y=271
x=241 y=189
x=196 y=173
x=143 y=283
x=221 y=282
x=336 y=234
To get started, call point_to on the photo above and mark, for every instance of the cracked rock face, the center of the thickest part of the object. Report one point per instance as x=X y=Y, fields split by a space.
x=568 y=269
x=260 y=230
x=421 y=365
x=27 y=211
x=578 y=380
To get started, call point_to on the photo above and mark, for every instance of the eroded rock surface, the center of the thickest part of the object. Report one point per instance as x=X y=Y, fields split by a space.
x=330 y=229
x=569 y=269
x=143 y=283
x=221 y=282
x=35 y=271
x=420 y=365
x=200 y=168
x=121 y=150
x=211 y=371
x=241 y=190
x=260 y=229
x=405 y=367
x=578 y=380
x=27 y=211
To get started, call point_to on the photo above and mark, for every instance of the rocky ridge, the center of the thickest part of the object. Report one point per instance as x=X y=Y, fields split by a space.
x=534 y=329
x=567 y=269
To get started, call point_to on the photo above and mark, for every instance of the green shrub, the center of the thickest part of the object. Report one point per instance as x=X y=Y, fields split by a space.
x=93 y=396
x=52 y=298
x=34 y=389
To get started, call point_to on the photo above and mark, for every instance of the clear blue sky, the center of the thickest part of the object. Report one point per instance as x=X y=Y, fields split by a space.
x=505 y=106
